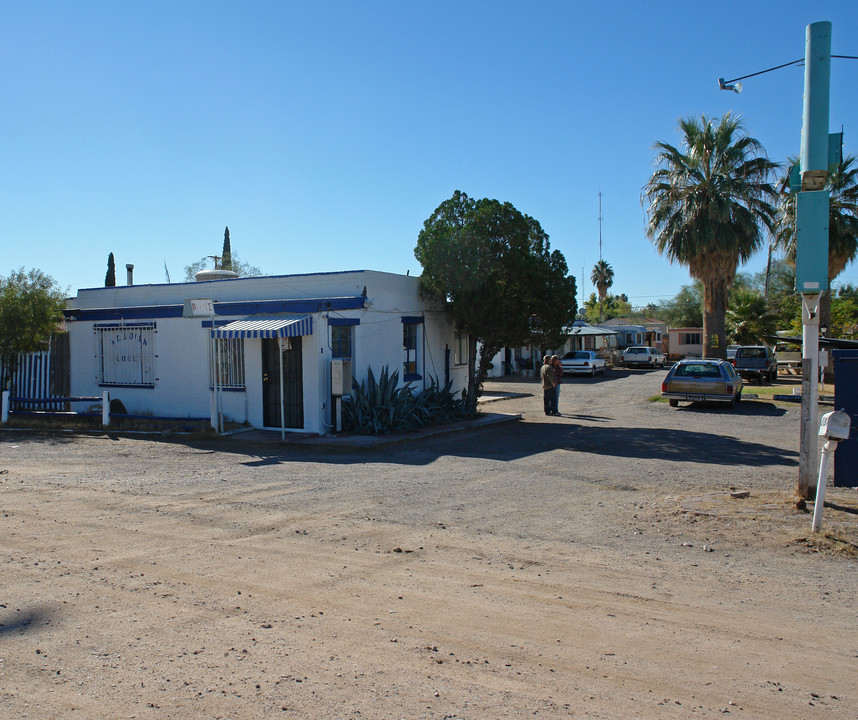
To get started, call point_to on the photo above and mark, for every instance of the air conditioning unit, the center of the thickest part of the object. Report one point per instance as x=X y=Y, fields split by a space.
x=341 y=376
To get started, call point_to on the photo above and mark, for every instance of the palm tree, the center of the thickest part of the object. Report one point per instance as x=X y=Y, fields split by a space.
x=707 y=202
x=749 y=321
x=842 y=225
x=602 y=277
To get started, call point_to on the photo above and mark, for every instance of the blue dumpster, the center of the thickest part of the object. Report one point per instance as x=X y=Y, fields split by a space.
x=846 y=398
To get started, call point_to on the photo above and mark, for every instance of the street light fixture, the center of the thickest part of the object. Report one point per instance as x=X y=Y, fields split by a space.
x=735 y=87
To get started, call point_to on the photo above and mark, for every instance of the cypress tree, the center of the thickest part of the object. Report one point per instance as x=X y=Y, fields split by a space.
x=110 y=278
x=226 y=255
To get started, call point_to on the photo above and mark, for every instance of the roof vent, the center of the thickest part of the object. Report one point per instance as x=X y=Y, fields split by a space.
x=217 y=274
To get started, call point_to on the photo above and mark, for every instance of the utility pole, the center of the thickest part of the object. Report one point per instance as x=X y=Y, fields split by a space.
x=811 y=220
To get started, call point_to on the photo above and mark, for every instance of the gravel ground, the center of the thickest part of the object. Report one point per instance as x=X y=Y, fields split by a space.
x=593 y=565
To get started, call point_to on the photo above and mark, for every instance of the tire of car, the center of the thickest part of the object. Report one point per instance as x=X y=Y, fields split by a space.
x=593 y=371
x=739 y=397
x=673 y=402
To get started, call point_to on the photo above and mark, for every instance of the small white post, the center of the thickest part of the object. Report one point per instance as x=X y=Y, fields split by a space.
x=827 y=451
x=5 y=411
x=105 y=409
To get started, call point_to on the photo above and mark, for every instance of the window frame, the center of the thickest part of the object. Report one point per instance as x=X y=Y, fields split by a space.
x=461 y=348
x=228 y=360
x=411 y=360
x=140 y=363
x=337 y=343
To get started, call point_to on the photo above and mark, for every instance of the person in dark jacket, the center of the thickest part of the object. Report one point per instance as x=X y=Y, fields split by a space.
x=558 y=378
x=549 y=382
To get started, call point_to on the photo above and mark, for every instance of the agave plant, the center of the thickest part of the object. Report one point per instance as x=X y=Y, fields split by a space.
x=380 y=407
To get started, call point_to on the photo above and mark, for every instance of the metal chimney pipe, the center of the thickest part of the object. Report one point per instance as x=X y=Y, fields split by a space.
x=130 y=268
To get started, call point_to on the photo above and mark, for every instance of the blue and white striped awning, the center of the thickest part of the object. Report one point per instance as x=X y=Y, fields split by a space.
x=266 y=326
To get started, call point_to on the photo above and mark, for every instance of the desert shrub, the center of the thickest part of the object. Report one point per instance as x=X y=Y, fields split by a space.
x=381 y=407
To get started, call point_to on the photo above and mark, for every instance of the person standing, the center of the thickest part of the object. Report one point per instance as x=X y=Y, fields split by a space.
x=549 y=395
x=558 y=378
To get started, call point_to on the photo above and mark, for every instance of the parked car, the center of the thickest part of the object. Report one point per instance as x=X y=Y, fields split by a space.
x=731 y=351
x=702 y=381
x=584 y=362
x=642 y=355
x=757 y=361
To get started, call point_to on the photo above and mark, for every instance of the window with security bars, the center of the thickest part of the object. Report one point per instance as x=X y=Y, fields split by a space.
x=410 y=366
x=690 y=338
x=125 y=354
x=227 y=368
x=341 y=341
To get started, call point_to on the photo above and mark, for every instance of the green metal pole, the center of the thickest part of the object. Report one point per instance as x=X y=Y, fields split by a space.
x=812 y=231
x=817 y=83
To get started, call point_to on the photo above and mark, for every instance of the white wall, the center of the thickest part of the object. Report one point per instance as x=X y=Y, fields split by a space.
x=181 y=345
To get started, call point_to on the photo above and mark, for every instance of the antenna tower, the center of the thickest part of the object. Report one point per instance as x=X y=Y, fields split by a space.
x=600 y=224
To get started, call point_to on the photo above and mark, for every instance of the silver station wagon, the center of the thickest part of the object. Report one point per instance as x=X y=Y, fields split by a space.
x=702 y=381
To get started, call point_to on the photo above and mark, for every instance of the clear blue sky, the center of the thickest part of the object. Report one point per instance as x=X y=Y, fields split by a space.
x=324 y=133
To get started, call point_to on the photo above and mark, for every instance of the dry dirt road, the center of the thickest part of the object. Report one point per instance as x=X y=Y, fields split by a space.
x=588 y=566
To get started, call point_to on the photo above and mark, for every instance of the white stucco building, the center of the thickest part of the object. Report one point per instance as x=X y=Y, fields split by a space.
x=153 y=349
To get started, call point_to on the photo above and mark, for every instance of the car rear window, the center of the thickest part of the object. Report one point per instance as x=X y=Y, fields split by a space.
x=694 y=370
x=581 y=355
x=752 y=352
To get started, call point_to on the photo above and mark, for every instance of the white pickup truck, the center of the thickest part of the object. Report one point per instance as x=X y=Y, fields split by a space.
x=642 y=355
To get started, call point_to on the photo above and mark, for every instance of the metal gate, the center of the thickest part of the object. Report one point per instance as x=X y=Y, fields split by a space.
x=293 y=384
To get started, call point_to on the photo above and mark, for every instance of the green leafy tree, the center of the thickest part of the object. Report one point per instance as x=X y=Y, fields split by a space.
x=848 y=291
x=610 y=306
x=749 y=321
x=708 y=202
x=503 y=285
x=685 y=309
x=110 y=277
x=842 y=225
x=784 y=302
x=844 y=316
x=226 y=254
x=31 y=308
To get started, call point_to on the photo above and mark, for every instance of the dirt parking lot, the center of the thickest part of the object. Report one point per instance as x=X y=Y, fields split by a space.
x=589 y=566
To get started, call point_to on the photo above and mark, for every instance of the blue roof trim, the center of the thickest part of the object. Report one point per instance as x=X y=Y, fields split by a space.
x=343 y=321
x=244 y=307
x=411 y=319
x=128 y=325
x=246 y=277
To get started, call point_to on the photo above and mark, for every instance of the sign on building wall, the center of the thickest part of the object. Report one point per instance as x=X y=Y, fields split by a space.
x=197 y=307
